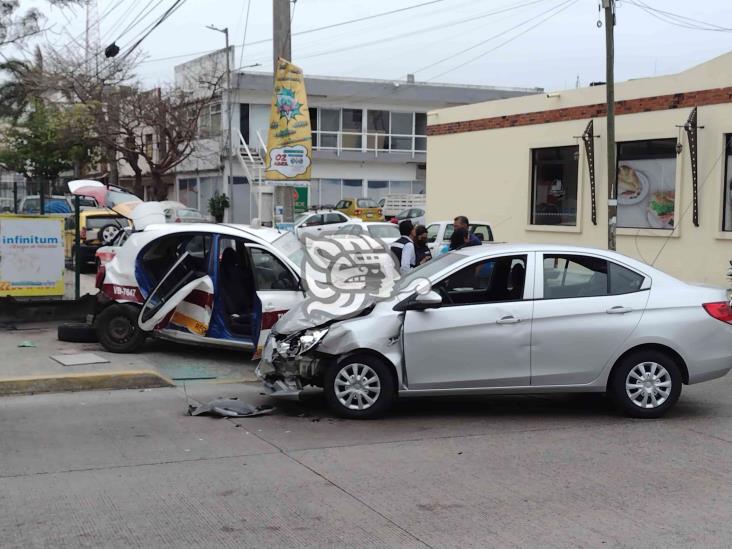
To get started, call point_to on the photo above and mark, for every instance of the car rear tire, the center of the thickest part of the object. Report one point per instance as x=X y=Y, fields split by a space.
x=117 y=328
x=646 y=384
x=359 y=387
x=77 y=332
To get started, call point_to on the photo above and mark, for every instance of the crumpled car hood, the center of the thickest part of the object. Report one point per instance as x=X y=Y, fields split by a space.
x=298 y=318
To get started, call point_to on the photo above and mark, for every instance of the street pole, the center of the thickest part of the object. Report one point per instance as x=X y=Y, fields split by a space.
x=612 y=200
x=281 y=43
x=281 y=47
x=228 y=168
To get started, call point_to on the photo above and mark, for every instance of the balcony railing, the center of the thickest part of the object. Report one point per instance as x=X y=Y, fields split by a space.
x=370 y=142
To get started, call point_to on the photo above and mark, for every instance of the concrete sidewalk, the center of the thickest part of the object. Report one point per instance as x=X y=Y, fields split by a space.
x=30 y=369
x=25 y=370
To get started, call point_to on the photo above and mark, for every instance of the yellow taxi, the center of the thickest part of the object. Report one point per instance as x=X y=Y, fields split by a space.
x=97 y=226
x=365 y=209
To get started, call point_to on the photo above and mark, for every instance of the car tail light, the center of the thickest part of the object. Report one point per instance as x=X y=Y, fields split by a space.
x=379 y=212
x=99 y=280
x=177 y=220
x=394 y=220
x=357 y=212
x=82 y=233
x=720 y=310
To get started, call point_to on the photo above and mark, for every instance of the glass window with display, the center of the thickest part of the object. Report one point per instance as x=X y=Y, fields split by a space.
x=554 y=185
x=646 y=179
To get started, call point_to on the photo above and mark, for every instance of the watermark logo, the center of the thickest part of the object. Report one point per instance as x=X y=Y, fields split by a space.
x=343 y=272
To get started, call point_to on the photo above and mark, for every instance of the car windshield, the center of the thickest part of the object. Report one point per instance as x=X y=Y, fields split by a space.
x=384 y=231
x=367 y=203
x=115 y=198
x=289 y=245
x=301 y=217
x=426 y=270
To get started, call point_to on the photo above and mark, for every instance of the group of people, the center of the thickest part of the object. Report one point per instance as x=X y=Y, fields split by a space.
x=411 y=249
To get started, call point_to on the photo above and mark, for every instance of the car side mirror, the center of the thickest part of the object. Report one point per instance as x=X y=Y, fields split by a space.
x=420 y=302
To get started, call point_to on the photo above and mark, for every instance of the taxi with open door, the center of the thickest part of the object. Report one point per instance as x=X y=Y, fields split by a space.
x=202 y=284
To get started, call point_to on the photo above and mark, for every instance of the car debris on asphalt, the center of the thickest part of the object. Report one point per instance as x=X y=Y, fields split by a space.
x=229 y=407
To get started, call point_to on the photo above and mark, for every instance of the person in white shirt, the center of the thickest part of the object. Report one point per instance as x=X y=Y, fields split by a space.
x=409 y=254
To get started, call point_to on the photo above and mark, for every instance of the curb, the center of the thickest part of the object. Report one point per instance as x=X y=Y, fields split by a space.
x=129 y=379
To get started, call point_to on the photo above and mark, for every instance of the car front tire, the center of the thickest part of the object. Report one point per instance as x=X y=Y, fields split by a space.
x=359 y=387
x=646 y=384
x=117 y=328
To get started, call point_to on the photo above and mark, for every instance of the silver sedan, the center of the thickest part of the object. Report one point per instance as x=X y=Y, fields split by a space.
x=506 y=319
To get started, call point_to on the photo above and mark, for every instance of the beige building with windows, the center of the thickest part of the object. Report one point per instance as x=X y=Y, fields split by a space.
x=522 y=164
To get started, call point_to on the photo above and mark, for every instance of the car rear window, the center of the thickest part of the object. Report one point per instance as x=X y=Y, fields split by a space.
x=189 y=214
x=366 y=203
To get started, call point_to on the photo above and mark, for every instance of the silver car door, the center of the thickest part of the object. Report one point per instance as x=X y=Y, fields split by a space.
x=585 y=308
x=278 y=289
x=480 y=336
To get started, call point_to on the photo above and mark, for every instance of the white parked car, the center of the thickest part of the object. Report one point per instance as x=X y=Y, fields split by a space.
x=415 y=215
x=317 y=222
x=177 y=212
x=386 y=232
x=439 y=233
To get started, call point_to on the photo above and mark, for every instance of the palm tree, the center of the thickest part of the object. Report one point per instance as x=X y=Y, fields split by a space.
x=22 y=87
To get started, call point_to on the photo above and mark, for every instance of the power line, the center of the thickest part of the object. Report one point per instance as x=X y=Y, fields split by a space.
x=424 y=30
x=315 y=29
x=677 y=19
x=244 y=38
x=172 y=9
x=562 y=7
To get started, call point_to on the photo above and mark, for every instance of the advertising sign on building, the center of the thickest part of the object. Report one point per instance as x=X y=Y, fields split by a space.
x=289 y=142
x=300 y=199
x=31 y=256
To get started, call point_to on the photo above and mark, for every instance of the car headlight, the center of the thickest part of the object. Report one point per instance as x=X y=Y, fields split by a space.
x=297 y=344
x=310 y=339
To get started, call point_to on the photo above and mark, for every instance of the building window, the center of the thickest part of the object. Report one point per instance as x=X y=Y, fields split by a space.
x=330 y=126
x=377 y=189
x=352 y=188
x=330 y=192
x=402 y=130
x=646 y=180
x=378 y=130
x=554 y=185
x=727 y=221
x=314 y=125
x=352 y=128
x=420 y=132
x=209 y=123
x=188 y=192
x=149 y=145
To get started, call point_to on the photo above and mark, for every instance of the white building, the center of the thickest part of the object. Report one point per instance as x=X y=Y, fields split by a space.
x=369 y=136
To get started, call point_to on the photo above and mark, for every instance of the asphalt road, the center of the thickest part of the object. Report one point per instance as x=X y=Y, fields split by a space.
x=129 y=469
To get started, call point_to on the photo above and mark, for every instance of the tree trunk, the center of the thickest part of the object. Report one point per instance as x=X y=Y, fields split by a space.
x=113 y=167
x=159 y=188
x=139 y=188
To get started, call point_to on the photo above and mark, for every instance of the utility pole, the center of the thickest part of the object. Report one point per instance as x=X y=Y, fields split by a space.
x=282 y=46
x=612 y=198
x=228 y=168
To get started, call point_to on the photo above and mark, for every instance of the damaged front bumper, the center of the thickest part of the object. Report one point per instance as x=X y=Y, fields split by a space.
x=285 y=376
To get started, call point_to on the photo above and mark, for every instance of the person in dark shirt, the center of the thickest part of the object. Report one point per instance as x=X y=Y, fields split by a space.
x=422 y=251
x=458 y=239
x=461 y=222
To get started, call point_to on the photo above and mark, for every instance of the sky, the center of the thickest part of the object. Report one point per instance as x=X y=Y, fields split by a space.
x=486 y=42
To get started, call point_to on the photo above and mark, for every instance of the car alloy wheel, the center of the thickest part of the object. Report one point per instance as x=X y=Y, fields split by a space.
x=357 y=386
x=648 y=385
